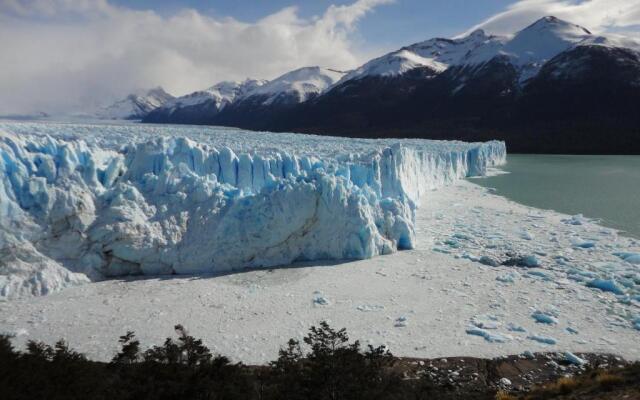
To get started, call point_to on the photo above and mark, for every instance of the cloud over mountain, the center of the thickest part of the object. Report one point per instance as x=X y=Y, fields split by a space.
x=64 y=54
x=598 y=15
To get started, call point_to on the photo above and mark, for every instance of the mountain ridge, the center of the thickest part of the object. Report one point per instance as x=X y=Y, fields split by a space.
x=477 y=87
x=135 y=105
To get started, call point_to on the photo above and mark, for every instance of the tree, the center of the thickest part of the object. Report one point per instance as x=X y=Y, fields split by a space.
x=336 y=369
x=6 y=348
x=193 y=352
x=168 y=353
x=187 y=351
x=325 y=341
x=39 y=350
x=287 y=373
x=62 y=353
x=130 y=352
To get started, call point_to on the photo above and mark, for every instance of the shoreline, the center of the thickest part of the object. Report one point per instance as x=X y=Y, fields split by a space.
x=602 y=188
x=420 y=303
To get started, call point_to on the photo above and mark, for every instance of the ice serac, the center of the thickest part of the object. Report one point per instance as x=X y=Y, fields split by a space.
x=81 y=202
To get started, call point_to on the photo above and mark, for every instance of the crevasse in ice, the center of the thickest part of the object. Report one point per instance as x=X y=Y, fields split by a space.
x=87 y=202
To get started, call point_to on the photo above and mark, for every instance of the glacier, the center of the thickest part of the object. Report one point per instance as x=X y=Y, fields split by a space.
x=86 y=202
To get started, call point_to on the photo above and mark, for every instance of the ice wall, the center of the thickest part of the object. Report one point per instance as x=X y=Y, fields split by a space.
x=79 y=207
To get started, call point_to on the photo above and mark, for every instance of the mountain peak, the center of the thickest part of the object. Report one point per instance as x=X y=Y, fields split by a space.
x=231 y=89
x=157 y=91
x=543 y=40
x=303 y=82
x=555 y=23
x=478 y=33
x=136 y=105
x=551 y=19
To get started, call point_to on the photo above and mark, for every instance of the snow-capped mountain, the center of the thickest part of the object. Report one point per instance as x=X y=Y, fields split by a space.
x=206 y=107
x=203 y=105
x=551 y=87
x=219 y=95
x=136 y=106
x=543 y=40
x=434 y=54
x=533 y=46
x=538 y=89
x=527 y=50
x=297 y=86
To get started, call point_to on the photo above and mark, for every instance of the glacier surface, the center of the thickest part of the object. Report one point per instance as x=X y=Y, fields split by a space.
x=81 y=203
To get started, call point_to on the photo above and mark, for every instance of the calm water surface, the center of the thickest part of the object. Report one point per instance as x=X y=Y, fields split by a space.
x=604 y=187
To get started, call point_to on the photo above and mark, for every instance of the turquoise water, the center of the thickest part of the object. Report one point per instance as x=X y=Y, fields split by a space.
x=603 y=187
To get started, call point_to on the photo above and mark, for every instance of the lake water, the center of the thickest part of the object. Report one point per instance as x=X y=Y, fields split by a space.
x=603 y=187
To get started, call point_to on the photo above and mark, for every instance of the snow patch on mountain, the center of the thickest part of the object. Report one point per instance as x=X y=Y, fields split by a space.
x=219 y=95
x=301 y=84
x=136 y=106
x=543 y=40
x=435 y=54
x=527 y=50
x=533 y=46
x=396 y=63
x=87 y=202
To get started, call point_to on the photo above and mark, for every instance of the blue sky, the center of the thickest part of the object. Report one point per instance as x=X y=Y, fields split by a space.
x=392 y=25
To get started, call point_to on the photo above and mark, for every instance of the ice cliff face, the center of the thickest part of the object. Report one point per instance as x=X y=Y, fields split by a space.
x=81 y=202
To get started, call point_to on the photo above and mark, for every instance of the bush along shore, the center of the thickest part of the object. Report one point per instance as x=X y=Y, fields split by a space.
x=325 y=365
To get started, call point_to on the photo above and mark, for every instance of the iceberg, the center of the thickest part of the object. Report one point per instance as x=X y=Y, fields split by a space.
x=82 y=203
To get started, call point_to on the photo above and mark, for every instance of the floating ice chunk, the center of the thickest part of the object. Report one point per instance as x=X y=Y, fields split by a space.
x=526 y=235
x=320 y=300
x=606 y=285
x=486 y=260
x=583 y=244
x=452 y=243
x=531 y=261
x=462 y=236
x=577 y=219
x=543 y=339
x=470 y=257
x=541 y=274
x=573 y=359
x=485 y=322
x=492 y=337
x=544 y=318
x=528 y=261
x=508 y=278
x=580 y=275
x=369 y=308
x=515 y=328
x=632 y=258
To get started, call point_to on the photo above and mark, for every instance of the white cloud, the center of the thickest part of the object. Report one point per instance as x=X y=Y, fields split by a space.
x=62 y=55
x=596 y=15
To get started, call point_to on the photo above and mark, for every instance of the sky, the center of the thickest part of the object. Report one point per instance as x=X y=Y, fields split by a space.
x=61 y=56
